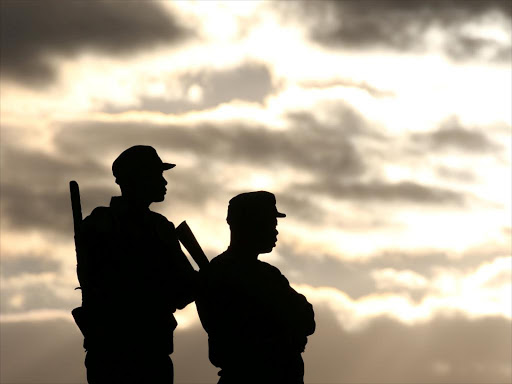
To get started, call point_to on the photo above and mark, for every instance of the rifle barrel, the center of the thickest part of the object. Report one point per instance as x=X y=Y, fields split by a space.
x=76 y=206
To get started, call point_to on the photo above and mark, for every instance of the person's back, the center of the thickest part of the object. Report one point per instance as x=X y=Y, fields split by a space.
x=257 y=324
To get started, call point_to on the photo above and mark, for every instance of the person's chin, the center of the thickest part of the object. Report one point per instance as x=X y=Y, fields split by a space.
x=269 y=248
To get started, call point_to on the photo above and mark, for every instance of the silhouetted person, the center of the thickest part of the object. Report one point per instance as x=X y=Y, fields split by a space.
x=133 y=277
x=257 y=324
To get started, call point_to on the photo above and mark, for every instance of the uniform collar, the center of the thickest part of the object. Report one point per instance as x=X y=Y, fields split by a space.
x=121 y=205
x=236 y=255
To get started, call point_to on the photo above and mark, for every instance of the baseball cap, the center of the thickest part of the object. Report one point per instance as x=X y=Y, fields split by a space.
x=136 y=161
x=250 y=205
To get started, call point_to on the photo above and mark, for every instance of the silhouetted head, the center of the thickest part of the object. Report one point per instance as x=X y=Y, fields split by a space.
x=252 y=218
x=139 y=173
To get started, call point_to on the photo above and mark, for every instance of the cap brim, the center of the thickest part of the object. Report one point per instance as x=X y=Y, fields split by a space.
x=279 y=214
x=166 y=166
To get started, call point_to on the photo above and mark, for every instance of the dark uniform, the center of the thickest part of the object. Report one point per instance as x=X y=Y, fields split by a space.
x=133 y=276
x=257 y=324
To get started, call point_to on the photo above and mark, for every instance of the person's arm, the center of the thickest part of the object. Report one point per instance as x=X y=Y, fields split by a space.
x=292 y=308
x=183 y=279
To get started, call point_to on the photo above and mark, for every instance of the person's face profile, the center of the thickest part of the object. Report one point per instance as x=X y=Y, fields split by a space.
x=156 y=186
x=265 y=234
x=151 y=186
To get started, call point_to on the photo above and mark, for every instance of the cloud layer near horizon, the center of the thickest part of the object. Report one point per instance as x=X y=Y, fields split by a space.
x=479 y=352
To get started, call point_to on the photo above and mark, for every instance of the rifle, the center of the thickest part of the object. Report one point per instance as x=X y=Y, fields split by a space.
x=76 y=207
x=189 y=241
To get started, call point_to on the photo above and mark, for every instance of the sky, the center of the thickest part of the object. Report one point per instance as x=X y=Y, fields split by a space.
x=383 y=127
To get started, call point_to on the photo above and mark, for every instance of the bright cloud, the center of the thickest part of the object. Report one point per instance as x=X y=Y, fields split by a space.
x=486 y=291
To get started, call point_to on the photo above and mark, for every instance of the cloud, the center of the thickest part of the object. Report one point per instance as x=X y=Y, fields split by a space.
x=461 y=47
x=475 y=294
x=451 y=135
x=320 y=149
x=41 y=352
x=37 y=169
x=457 y=174
x=204 y=89
x=34 y=33
x=27 y=292
x=316 y=269
x=35 y=187
x=412 y=273
x=404 y=25
x=445 y=350
x=383 y=191
x=31 y=264
x=46 y=209
x=309 y=208
x=349 y=83
x=34 y=295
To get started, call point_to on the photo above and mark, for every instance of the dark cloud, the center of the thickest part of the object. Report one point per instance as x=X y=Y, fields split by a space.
x=41 y=352
x=35 y=188
x=320 y=149
x=37 y=169
x=427 y=262
x=461 y=175
x=307 y=208
x=451 y=135
x=251 y=82
x=461 y=47
x=301 y=206
x=402 y=25
x=320 y=270
x=35 y=32
x=193 y=186
x=31 y=264
x=383 y=191
x=441 y=351
x=35 y=295
x=46 y=209
x=335 y=152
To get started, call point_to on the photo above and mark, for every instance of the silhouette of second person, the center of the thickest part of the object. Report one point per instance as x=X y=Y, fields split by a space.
x=257 y=324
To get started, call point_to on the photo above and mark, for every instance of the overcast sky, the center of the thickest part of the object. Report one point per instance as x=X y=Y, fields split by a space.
x=383 y=127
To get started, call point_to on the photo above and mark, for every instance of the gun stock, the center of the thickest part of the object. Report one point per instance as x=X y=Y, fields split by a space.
x=190 y=243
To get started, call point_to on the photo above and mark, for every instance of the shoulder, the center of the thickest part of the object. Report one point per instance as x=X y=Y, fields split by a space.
x=268 y=268
x=218 y=262
x=220 y=267
x=272 y=274
x=160 y=219
x=100 y=220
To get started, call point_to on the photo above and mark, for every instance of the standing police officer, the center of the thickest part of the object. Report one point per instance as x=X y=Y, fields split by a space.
x=133 y=276
x=257 y=324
